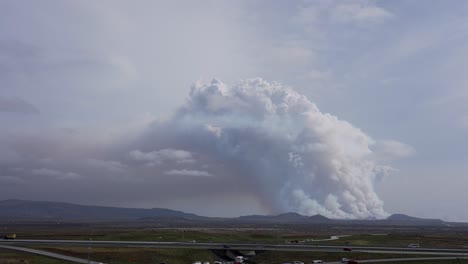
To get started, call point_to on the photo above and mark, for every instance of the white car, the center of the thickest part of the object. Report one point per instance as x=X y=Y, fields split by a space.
x=317 y=261
x=344 y=260
x=413 y=245
x=298 y=262
x=239 y=259
x=197 y=262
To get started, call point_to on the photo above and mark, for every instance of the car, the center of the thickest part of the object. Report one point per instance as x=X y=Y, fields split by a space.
x=347 y=249
x=239 y=259
x=197 y=262
x=218 y=262
x=352 y=261
x=415 y=245
x=206 y=262
x=344 y=260
x=298 y=262
x=317 y=261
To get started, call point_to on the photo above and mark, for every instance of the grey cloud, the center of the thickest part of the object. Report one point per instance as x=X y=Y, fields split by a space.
x=359 y=11
x=110 y=165
x=185 y=172
x=60 y=175
x=11 y=180
x=393 y=149
x=354 y=11
x=17 y=105
x=154 y=158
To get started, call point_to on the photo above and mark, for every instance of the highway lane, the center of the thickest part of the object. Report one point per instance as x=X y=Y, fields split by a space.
x=400 y=259
x=50 y=254
x=408 y=259
x=437 y=254
x=239 y=246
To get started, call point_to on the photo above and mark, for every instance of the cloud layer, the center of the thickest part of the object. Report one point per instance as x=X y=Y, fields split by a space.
x=16 y=105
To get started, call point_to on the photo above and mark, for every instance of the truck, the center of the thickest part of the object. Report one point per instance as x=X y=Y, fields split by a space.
x=10 y=236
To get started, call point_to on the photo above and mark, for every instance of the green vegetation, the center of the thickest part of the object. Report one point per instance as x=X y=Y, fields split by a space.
x=184 y=235
x=135 y=255
x=181 y=256
x=12 y=257
x=402 y=240
x=232 y=235
x=394 y=239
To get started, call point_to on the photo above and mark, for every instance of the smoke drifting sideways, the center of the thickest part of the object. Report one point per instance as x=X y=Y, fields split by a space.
x=278 y=145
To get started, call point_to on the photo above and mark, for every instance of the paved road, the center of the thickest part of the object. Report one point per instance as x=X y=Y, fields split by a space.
x=239 y=246
x=436 y=253
x=400 y=259
x=49 y=254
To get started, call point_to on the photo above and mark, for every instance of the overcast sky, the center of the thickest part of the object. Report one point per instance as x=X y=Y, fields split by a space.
x=110 y=103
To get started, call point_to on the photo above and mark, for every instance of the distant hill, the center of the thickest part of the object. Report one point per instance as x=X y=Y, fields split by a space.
x=57 y=210
x=319 y=218
x=410 y=219
x=290 y=216
x=37 y=210
x=285 y=217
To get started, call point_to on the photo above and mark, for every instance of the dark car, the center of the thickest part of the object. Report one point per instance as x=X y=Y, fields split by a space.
x=347 y=249
x=352 y=261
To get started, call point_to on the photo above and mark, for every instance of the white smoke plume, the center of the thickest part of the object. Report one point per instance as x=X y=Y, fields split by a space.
x=277 y=144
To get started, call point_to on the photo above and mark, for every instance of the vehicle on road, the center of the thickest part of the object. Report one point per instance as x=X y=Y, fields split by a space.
x=352 y=261
x=197 y=262
x=344 y=260
x=317 y=261
x=298 y=262
x=347 y=249
x=10 y=236
x=414 y=245
x=239 y=259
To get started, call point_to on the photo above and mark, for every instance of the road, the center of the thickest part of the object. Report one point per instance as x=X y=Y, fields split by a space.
x=400 y=259
x=238 y=246
x=436 y=253
x=50 y=255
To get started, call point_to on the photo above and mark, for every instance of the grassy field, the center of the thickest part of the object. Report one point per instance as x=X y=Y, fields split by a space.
x=11 y=257
x=152 y=255
x=228 y=235
x=281 y=236
x=135 y=255
x=402 y=240
x=396 y=239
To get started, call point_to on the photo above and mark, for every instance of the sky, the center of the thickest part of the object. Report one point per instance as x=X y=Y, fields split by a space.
x=350 y=109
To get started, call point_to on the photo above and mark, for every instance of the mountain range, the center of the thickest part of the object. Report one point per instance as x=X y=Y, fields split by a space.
x=42 y=210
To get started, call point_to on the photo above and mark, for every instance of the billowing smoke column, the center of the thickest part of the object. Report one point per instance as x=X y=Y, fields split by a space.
x=293 y=157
